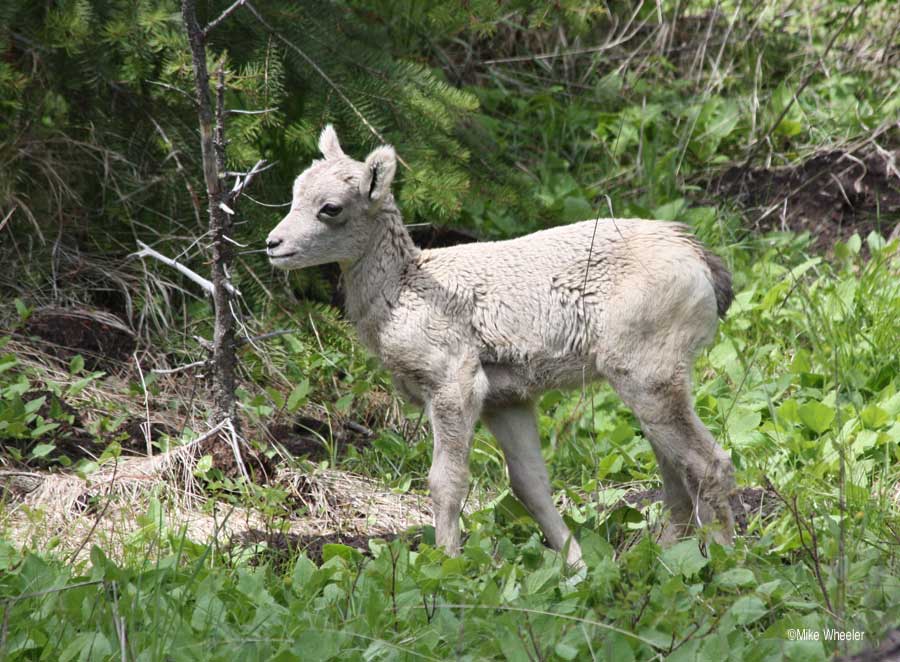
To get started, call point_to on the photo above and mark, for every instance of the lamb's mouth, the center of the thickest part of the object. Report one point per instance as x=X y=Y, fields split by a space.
x=272 y=258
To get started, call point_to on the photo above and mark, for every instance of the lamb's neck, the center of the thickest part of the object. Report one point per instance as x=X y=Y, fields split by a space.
x=372 y=283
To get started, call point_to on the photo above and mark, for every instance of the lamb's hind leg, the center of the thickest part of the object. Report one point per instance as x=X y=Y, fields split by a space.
x=683 y=514
x=698 y=475
x=515 y=428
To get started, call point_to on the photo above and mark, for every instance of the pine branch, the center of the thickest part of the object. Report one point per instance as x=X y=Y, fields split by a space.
x=334 y=86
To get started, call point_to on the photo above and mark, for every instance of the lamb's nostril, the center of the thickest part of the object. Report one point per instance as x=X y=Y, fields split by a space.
x=273 y=243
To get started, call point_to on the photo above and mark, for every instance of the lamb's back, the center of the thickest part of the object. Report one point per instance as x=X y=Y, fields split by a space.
x=552 y=293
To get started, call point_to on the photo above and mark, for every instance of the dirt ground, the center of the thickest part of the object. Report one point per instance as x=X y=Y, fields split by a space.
x=888 y=651
x=278 y=548
x=103 y=339
x=832 y=195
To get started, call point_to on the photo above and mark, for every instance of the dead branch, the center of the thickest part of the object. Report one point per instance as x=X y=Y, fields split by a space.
x=213 y=24
x=21 y=482
x=7 y=217
x=206 y=284
x=171 y=87
x=212 y=148
x=268 y=204
x=145 y=426
x=181 y=368
x=241 y=184
x=262 y=111
x=359 y=429
x=265 y=336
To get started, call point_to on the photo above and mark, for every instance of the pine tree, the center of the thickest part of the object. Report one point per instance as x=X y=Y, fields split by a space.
x=98 y=142
x=98 y=139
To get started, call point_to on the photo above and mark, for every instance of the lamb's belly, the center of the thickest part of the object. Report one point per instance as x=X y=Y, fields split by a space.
x=513 y=382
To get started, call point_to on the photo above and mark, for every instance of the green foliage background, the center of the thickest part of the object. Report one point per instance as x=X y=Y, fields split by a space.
x=511 y=117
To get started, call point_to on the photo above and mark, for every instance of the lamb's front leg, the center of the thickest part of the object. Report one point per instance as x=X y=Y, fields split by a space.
x=453 y=411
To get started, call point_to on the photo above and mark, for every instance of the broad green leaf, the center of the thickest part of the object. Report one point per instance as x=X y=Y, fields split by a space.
x=510 y=509
x=621 y=433
x=577 y=209
x=277 y=397
x=346 y=552
x=801 y=362
x=23 y=311
x=565 y=651
x=298 y=396
x=816 y=416
x=85 y=468
x=101 y=566
x=609 y=464
x=864 y=441
x=76 y=365
x=669 y=211
x=42 y=450
x=33 y=405
x=742 y=425
x=725 y=120
x=617 y=647
x=344 y=402
x=208 y=610
x=736 y=578
x=304 y=569
x=724 y=357
x=875 y=242
x=7 y=555
x=789 y=128
x=873 y=417
x=43 y=429
x=79 y=385
x=684 y=558
x=539 y=578
x=748 y=609
x=87 y=646
x=204 y=464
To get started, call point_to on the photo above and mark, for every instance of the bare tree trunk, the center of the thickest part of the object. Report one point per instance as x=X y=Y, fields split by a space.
x=212 y=145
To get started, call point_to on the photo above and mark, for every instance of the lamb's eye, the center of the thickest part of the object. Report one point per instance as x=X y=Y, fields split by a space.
x=331 y=211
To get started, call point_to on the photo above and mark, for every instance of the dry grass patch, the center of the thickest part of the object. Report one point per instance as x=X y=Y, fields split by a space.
x=113 y=506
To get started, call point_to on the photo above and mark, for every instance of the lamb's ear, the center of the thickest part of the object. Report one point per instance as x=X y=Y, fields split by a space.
x=328 y=143
x=381 y=165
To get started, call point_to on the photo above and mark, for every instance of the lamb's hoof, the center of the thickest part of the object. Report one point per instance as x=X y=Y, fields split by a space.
x=723 y=536
x=578 y=575
x=575 y=565
x=573 y=556
x=674 y=532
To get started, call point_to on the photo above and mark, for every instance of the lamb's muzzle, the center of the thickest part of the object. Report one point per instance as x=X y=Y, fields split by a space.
x=481 y=330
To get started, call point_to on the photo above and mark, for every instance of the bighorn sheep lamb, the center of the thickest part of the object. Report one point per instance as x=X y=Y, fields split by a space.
x=481 y=330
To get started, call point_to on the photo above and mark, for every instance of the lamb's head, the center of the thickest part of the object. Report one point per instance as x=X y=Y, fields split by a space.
x=335 y=202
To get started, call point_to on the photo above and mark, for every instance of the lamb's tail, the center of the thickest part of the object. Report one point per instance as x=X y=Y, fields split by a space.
x=721 y=280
